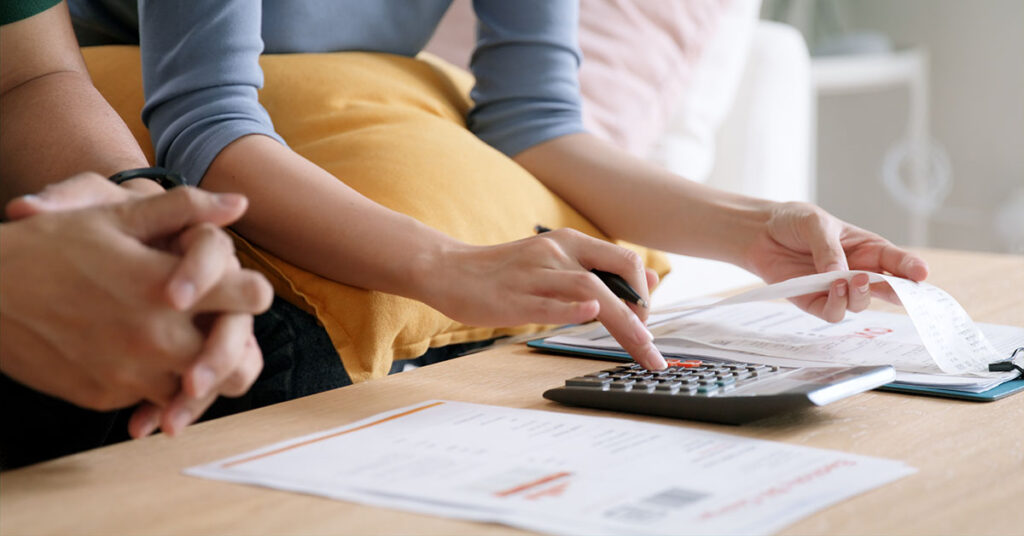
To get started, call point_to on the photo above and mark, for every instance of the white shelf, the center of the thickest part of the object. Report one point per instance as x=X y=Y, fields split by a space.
x=867 y=72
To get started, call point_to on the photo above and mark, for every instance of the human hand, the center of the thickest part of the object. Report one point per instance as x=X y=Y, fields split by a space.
x=800 y=239
x=228 y=365
x=206 y=250
x=81 y=191
x=207 y=257
x=543 y=279
x=125 y=343
x=230 y=360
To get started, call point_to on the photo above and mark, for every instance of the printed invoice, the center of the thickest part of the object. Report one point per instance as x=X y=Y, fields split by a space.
x=561 y=473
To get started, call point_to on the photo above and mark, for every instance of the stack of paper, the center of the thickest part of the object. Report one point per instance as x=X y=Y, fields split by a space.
x=780 y=334
x=937 y=345
x=561 y=473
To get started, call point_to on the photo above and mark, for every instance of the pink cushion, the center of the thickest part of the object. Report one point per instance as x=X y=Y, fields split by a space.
x=638 y=59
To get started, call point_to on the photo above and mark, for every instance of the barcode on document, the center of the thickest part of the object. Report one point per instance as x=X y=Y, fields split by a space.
x=656 y=506
x=675 y=498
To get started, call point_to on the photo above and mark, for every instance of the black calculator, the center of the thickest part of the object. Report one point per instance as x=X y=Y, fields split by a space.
x=716 y=391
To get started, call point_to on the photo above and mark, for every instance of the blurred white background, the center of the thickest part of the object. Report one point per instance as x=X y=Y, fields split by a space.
x=976 y=114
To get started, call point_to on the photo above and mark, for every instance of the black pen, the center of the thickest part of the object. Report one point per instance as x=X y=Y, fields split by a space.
x=616 y=283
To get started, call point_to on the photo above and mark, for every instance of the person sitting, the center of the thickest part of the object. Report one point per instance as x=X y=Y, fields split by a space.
x=122 y=308
x=202 y=74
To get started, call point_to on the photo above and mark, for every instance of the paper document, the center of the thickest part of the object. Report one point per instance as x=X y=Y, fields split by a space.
x=561 y=473
x=953 y=341
x=774 y=333
x=936 y=344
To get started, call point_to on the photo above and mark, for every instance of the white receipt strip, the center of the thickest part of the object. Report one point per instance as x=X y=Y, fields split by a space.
x=955 y=344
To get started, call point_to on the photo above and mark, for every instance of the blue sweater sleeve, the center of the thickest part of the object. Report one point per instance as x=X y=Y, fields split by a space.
x=526 y=63
x=201 y=74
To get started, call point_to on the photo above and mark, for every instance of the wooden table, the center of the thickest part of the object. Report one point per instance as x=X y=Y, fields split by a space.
x=970 y=456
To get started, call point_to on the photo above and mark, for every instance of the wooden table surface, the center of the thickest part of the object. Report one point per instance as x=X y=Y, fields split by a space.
x=969 y=455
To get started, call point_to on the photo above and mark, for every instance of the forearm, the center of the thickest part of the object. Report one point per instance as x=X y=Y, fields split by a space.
x=633 y=200
x=55 y=126
x=309 y=218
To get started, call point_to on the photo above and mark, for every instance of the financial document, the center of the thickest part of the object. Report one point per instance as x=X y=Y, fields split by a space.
x=935 y=344
x=561 y=473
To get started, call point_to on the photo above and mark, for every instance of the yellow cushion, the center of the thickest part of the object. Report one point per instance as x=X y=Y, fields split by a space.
x=392 y=128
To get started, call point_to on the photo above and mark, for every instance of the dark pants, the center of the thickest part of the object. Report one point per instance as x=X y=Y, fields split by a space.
x=298 y=360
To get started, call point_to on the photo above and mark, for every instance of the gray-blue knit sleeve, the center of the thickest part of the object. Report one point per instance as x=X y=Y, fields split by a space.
x=526 y=62
x=201 y=74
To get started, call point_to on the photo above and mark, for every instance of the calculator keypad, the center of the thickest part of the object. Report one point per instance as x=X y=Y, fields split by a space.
x=689 y=377
x=713 y=391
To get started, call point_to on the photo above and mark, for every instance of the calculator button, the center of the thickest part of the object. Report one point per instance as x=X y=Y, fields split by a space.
x=584 y=381
x=621 y=385
x=599 y=374
x=645 y=386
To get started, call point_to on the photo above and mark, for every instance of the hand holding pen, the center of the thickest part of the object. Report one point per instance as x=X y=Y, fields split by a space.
x=642 y=349
x=543 y=279
x=614 y=282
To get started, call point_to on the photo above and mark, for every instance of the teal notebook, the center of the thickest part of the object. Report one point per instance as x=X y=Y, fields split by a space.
x=1000 y=391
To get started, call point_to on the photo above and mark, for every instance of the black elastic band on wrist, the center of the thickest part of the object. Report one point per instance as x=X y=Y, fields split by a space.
x=164 y=177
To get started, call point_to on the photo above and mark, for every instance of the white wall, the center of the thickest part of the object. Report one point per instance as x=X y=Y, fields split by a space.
x=977 y=113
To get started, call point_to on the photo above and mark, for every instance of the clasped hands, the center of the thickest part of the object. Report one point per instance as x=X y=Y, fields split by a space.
x=130 y=299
